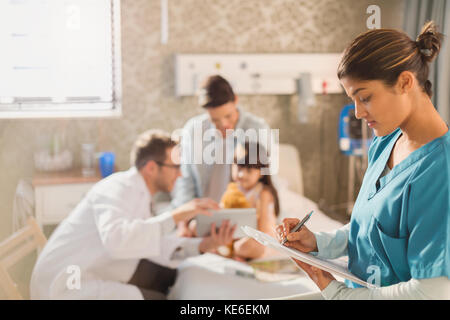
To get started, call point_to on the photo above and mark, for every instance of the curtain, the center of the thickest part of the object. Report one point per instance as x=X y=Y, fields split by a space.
x=417 y=12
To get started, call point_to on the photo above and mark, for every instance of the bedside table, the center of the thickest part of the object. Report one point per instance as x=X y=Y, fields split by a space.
x=58 y=193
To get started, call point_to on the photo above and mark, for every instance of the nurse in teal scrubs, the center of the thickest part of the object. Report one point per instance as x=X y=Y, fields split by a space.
x=398 y=236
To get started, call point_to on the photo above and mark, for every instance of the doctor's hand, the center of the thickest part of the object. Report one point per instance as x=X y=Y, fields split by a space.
x=222 y=237
x=302 y=240
x=188 y=230
x=194 y=207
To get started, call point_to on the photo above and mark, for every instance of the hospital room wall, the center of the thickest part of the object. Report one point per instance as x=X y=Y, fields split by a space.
x=219 y=26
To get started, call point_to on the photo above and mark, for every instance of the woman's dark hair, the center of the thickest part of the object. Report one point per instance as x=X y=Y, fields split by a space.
x=256 y=157
x=218 y=92
x=382 y=54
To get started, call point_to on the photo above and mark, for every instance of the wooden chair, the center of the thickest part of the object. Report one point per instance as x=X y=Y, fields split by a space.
x=13 y=249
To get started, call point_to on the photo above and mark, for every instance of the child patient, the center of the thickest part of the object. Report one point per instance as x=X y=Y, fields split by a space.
x=252 y=189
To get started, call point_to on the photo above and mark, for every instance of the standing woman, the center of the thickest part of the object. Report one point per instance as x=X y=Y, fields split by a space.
x=398 y=236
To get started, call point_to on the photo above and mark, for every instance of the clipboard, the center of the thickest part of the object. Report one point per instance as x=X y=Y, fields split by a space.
x=337 y=267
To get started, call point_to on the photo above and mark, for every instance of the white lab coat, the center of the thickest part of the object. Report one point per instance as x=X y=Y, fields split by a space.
x=104 y=238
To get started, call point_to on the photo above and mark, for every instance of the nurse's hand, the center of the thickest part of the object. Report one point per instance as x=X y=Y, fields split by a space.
x=194 y=207
x=217 y=238
x=305 y=241
x=302 y=240
x=320 y=277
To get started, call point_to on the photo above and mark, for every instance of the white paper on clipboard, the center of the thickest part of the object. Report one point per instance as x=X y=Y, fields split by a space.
x=333 y=266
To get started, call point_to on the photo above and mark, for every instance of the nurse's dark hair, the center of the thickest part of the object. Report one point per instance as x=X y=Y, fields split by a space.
x=383 y=54
x=216 y=92
x=151 y=145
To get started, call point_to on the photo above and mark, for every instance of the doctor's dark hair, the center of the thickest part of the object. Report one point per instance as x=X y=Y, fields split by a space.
x=383 y=54
x=254 y=155
x=216 y=92
x=151 y=145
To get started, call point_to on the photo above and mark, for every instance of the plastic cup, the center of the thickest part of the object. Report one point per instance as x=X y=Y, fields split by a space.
x=88 y=159
x=106 y=163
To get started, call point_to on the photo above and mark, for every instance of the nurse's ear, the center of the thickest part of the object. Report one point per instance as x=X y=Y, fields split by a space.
x=405 y=82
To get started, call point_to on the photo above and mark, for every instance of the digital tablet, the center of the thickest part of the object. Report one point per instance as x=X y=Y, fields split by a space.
x=240 y=217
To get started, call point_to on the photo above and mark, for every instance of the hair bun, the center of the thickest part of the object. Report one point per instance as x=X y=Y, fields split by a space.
x=429 y=41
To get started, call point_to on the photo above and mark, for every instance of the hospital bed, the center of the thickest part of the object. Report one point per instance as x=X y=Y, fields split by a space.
x=210 y=276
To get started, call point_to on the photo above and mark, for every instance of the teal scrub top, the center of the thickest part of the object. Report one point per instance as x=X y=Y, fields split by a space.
x=399 y=227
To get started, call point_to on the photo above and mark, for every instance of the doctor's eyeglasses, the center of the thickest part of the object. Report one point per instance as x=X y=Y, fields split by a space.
x=173 y=166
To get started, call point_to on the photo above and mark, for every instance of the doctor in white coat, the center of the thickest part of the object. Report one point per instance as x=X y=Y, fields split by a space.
x=112 y=246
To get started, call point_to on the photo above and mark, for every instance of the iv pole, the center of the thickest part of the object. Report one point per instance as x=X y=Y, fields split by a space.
x=352 y=169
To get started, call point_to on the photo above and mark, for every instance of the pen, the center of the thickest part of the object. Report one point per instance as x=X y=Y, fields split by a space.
x=299 y=225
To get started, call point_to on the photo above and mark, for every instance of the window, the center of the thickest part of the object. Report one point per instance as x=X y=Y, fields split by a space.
x=60 y=58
